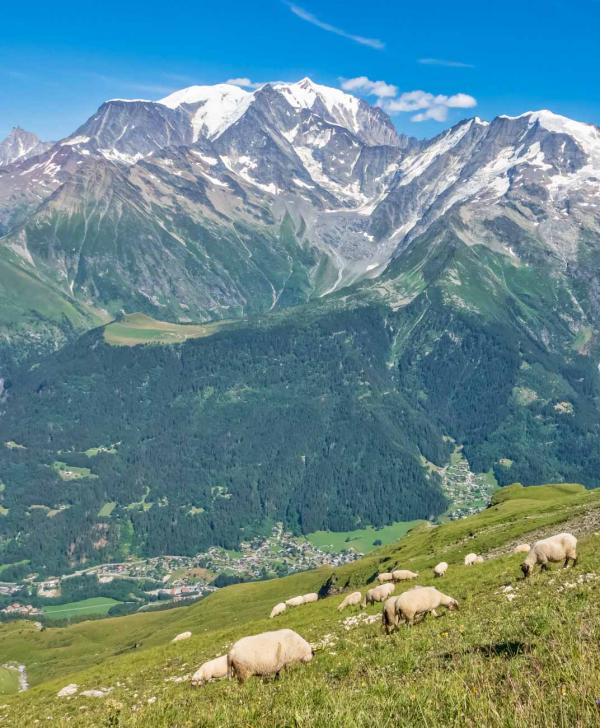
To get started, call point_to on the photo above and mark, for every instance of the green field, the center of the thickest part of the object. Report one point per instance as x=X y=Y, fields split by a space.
x=137 y=328
x=527 y=662
x=9 y=681
x=107 y=509
x=71 y=472
x=362 y=539
x=94 y=607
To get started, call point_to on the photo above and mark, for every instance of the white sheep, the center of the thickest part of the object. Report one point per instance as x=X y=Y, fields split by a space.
x=415 y=603
x=440 y=569
x=267 y=653
x=378 y=593
x=278 y=609
x=388 y=615
x=182 y=636
x=404 y=574
x=562 y=547
x=211 y=670
x=312 y=597
x=522 y=548
x=352 y=600
x=385 y=576
x=471 y=559
x=294 y=601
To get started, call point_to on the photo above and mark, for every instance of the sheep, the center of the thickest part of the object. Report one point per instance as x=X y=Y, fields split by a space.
x=294 y=601
x=352 y=600
x=522 y=548
x=388 y=615
x=267 y=653
x=378 y=593
x=471 y=559
x=385 y=576
x=562 y=547
x=278 y=609
x=312 y=597
x=414 y=603
x=440 y=569
x=211 y=670
x=181 y=636
x=404 y=575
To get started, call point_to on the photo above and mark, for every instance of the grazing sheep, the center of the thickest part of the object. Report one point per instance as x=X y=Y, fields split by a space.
x=312 y=597
x=211 y=670
x=522 y=548
x=267 y=653
x=414 y=603
x=440 y=569
x=471 y=559
x=404 y=575
x=388 y=615
x=181 y=636
x=294 y=601
x=385 y=576
x=278 y=609
x=562 y=547
x=378 y=593
x=352 y=600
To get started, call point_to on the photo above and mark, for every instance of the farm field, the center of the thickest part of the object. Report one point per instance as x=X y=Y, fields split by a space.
x=361 y=540
x=95 y=606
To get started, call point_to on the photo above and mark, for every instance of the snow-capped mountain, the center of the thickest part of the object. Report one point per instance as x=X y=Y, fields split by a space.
x=218 y=201
x=20 y=145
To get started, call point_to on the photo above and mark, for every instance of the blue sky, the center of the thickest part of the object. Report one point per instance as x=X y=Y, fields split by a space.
x=60 y=61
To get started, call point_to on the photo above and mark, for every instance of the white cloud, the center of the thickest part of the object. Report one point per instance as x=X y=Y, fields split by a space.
x=381 y=89
x=443 y=62
x=310 y=18
x=244 y=82
x=431 y=107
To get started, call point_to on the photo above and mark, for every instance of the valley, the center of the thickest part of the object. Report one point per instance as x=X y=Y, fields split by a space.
x=231 y=309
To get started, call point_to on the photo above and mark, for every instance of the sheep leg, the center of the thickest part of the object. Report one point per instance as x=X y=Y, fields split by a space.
x=435 y=614
x=544 y=567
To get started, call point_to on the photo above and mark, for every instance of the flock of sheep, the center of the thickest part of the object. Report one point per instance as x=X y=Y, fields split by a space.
x=269 y=653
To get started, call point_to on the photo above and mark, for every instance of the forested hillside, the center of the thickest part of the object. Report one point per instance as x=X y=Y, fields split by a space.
x=330 y=416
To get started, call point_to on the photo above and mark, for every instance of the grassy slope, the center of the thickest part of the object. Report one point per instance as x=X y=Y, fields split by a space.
x=137 y=328
x=532 y=662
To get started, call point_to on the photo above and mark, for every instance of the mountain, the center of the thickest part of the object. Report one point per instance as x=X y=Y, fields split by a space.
x=363 y=303
x=20 y=145
x=217 y=202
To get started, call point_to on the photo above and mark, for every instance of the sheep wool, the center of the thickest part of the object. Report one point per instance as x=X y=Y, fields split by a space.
x=267 y=653
x=211 y=670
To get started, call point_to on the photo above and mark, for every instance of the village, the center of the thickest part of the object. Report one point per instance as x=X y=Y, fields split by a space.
x=179 y=578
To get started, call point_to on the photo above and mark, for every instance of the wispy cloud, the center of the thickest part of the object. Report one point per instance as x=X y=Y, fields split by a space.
x=443 y=62
x=310 y=18
x=244 y=82
x=430 y=107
